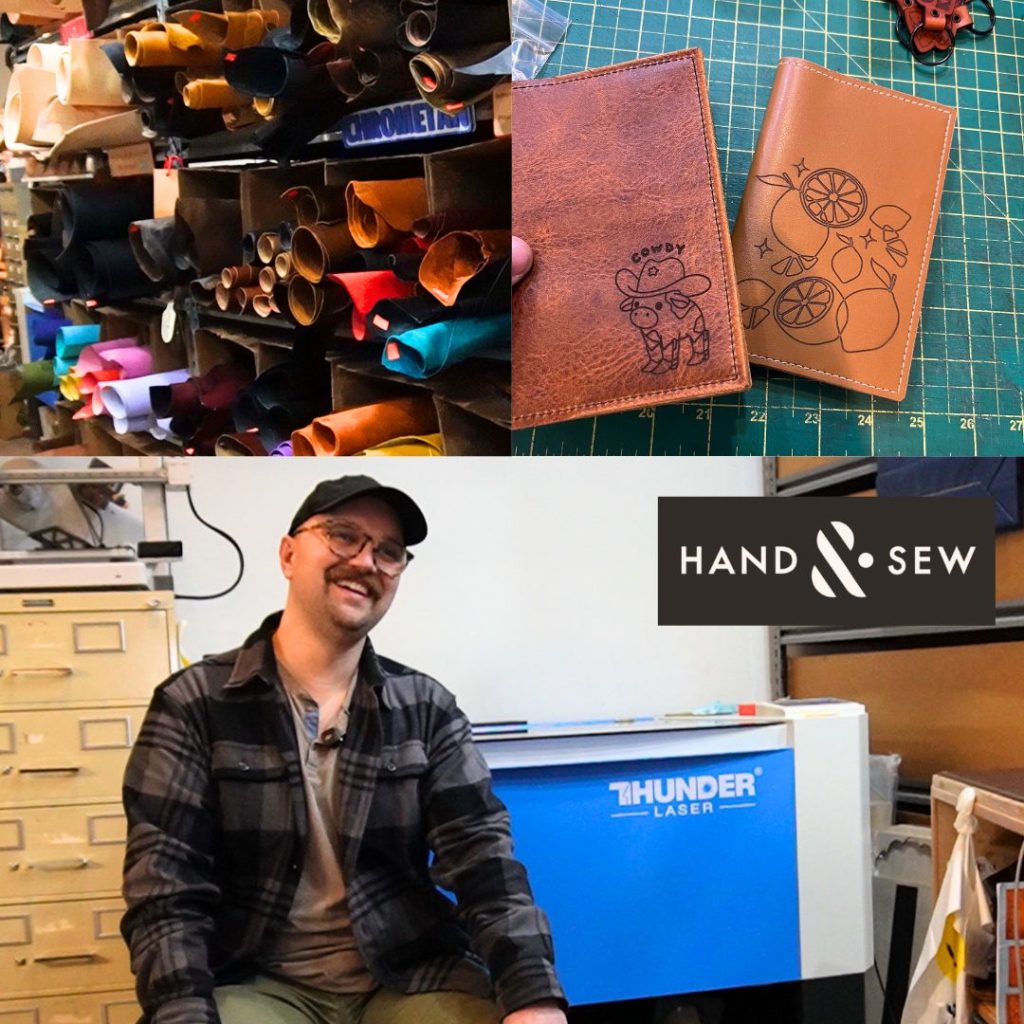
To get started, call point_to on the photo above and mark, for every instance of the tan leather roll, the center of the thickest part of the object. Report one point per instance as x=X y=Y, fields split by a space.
x=317 y=249
x=264 y=305
x=381 y=212
x=86 y=77
x=310 y=302
x=232 y=31
x=212 y=94
x=235 y=277
x=30 y=92
x=354 y=430
x=46 y=56
x=265 y=106
x=268 y=245
x=222 y=295
x=283 y=265
x=456 y=258
x=267 y=280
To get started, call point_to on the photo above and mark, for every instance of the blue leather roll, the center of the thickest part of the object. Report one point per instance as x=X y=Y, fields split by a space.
x=424 y=351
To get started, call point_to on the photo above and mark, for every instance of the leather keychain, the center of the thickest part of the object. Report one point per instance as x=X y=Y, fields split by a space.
x=930 y=27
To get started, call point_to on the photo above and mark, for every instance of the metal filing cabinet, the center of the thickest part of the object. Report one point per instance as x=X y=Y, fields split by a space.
x=76 y=673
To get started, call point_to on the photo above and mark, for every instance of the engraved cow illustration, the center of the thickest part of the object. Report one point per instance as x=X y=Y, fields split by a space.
x=659 y=300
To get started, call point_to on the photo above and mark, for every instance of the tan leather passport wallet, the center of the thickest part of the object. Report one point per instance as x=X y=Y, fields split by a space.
x=836 y=225
x=632 y=297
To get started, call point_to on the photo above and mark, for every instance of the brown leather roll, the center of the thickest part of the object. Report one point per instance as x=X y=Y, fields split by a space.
x=264 y=305
x=318 y=249
x=381 y=212
x=222 y=296
x=354 y=430
x=212 y=94
x=268 y=245
x=243 y=297
x=456 y=258
x=310 y=302
x=236 y=277
x=247 y=443
x=265 y=106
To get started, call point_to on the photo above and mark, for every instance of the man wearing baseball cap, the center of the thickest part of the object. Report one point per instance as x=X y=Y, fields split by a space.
x=296 y=806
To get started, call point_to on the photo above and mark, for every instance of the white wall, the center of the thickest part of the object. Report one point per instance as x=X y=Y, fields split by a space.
x=534 y=596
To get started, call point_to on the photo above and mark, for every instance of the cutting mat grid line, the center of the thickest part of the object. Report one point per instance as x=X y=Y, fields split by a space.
x=966 y=390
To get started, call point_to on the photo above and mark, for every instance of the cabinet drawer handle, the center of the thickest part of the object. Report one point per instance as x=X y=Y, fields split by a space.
x=73 y=769
x=66 y=958
x=63 y=671
x=67 y=864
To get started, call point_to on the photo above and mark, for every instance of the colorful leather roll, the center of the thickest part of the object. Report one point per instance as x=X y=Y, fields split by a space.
x=86 y=77
x=311 y=303
x=238 y=277
x=453 y=25
x=283 y=450
x=234 y=30
x=36 y=379
x=424 y=351
x=89 y=210
x=44 y=328
x=159 y=44
x=268 y=245
x=247 y=443
x=355 y=430
x=453 y=79
x=319 y=249
x=212 y=94
x=130 y=399
x=458 y=257
x=107 y=271
x=396 y=316
x=366 y=288
x=381 y=213
x=29 y=92
x=429 y=445
x=71 y=339
x=152 y=243
x=218 y=388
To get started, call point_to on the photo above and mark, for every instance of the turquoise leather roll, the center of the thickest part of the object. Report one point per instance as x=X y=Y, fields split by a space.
x=426 y=350
x=71 y=340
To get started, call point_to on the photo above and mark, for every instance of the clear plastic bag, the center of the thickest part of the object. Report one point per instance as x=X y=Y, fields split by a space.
x=536 y=31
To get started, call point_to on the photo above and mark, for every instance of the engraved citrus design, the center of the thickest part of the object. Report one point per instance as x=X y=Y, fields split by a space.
x=798 y=232
x=804 y=302
x=868 y=319
x=833 y=198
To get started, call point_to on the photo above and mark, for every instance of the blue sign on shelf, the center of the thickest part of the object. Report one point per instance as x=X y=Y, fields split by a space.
x=396 y=122
x=662 y=877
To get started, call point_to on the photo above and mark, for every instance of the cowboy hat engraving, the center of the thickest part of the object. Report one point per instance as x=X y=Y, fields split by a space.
x=660 y=295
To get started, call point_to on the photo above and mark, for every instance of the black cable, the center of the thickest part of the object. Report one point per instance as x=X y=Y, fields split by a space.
x=881 y=985
x=231 y=540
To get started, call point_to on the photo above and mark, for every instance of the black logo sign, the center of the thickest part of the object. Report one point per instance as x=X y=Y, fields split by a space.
x=826 y=561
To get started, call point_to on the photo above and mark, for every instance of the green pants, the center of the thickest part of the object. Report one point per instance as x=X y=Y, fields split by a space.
x=266 y=1000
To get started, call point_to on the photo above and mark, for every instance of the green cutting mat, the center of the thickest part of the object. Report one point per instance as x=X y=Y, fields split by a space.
x=966 y=383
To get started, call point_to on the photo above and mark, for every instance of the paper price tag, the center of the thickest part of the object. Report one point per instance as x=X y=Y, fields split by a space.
x=168 y=323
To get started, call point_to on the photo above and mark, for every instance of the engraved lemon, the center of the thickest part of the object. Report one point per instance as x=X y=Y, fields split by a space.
x=797 y=232
x=868 y=319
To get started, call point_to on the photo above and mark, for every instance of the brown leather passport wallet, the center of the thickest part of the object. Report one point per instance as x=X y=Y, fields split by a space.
x=836 y=225
x=632 y=297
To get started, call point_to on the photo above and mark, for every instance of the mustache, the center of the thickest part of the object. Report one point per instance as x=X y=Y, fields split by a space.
x=343 y=575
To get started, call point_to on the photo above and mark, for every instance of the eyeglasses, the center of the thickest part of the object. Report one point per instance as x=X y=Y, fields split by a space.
x=347 y=542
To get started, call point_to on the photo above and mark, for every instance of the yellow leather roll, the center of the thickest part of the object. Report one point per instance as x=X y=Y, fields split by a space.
x=212 y=94
x=429 y=445
x=232 y=31
x=381 y=212
x=163 y=45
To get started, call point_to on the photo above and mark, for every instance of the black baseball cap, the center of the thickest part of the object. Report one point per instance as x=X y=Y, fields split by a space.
x=329 y=494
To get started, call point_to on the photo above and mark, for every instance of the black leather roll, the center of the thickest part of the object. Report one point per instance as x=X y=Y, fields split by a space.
x=249 y=240
x=49 y=270
x=14 y=34
x=440 y=79
x=280 y=400
x=368 y=23
x=152 y=243
x=106 y=270
x=168 y=115
x=452 y=25
x=90 y=211
x=268 y=71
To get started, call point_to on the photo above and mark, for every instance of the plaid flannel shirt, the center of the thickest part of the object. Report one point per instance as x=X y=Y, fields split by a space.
x=217 y=826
